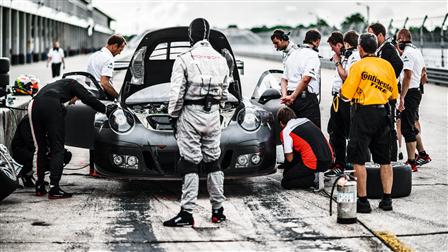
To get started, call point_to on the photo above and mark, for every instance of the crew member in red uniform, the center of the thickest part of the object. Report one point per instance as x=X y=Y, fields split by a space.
x=307 y=152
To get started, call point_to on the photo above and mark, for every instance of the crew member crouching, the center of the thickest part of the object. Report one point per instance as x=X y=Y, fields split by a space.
x=307 y=153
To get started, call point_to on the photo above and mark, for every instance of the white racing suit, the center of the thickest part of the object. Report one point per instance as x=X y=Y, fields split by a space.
x=199 y=72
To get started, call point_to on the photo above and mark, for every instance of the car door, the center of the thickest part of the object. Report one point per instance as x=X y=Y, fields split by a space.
x=79 y=128
x=267 y=95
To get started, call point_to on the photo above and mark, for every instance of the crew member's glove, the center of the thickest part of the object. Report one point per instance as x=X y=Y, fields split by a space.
x=111 y=107
x=173 y=121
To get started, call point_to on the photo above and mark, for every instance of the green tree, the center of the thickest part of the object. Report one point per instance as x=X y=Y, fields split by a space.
x=353 y=22
x=322 y=23
x=263 y=28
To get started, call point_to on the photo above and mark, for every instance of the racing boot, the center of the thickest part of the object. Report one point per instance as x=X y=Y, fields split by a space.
x=218 y=215
x=40 y=189
x=183 y=218
x=57 y=193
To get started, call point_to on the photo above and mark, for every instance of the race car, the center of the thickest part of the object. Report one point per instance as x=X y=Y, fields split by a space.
x=137 y=140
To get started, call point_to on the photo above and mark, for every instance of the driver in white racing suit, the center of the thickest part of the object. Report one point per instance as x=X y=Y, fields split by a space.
x=199 y=85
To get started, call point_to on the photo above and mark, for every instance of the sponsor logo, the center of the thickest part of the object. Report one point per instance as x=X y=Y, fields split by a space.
x=210 y=57
x=376 y=82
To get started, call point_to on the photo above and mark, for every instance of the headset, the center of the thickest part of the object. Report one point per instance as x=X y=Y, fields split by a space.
x=283 y=35
x=402 y=45
x=347 y=52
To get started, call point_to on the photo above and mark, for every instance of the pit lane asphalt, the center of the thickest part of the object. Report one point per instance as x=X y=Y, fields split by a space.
x=127 y=215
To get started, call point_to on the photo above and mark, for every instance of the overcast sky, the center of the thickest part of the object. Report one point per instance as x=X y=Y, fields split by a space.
x=134 y=16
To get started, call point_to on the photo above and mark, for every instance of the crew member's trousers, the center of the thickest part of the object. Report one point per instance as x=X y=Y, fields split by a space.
x=55 y=69
x=339 y=128
x=307 y=107
x=24 y=156
x=199 y=137
x=48 y=128
x=297 y=176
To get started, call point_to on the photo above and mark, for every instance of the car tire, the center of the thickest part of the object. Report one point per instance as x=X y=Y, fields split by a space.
x=4 y=80
x=7 y=185
x=4 y=65
x=402 y=184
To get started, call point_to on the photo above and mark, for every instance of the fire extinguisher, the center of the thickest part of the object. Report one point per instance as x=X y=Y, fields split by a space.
x=346 y=199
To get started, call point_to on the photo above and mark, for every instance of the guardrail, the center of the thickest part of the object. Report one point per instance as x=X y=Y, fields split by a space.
x=438 y=76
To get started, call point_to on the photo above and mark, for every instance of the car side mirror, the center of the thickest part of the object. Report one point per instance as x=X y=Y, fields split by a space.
x=240 y=66
x=269 y=94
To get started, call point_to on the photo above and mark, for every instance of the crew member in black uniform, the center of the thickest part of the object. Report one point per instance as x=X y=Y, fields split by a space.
x=47 y=114
x=386 y=50
x=22 y=150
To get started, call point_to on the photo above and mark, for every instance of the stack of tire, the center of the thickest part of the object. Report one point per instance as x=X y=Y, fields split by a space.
x=402 y=183
x=8 y=173
x=4 y=76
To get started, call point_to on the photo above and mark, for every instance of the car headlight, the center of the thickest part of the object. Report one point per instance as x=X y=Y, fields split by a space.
x=138 y=67
x=249 y=119
x=121 y=121
x=132 y=161
x=118 y=160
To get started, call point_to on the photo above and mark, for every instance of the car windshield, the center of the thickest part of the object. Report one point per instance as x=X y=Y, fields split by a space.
x=269 y=79
x=169 y=50
x=158 y=94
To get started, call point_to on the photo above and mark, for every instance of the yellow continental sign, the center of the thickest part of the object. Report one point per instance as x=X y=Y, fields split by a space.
x=376 y=82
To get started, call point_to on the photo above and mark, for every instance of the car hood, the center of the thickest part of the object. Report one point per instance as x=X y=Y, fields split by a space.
x=153 y=59
x=159 y=93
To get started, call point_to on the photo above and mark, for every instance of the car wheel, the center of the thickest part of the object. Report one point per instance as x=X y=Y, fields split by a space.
x=4 y=65
x=7 y=185
x=8 y=173
x=402 y=184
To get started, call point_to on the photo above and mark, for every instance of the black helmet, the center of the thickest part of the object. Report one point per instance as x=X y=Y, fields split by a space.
x=199 y=30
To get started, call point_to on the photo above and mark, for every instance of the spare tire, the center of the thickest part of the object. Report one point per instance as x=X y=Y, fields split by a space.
x=4 y=80
x=4 y=65
x=402 y=184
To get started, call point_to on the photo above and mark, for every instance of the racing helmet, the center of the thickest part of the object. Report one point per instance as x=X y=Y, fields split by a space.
x=26 y=85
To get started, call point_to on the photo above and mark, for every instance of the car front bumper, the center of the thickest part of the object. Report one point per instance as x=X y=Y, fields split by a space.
x=157 y=153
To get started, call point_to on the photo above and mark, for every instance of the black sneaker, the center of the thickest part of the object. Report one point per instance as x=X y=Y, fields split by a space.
x=336 y=170
x=57 y=193
x=386 y=204
x=183 y=218
x=363 y=207
x=218 y=215
x=40 y=190
x=421 y=160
